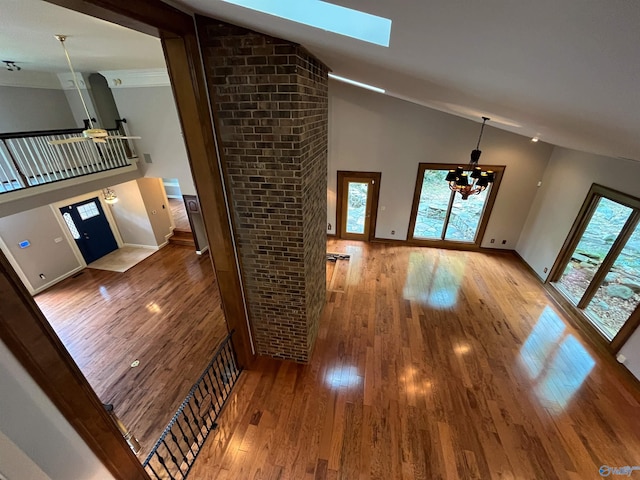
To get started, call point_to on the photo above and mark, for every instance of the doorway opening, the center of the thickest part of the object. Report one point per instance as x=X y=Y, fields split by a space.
x=357 y=204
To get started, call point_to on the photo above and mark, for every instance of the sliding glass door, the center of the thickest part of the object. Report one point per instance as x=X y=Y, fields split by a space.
x=440 y=215
x=599 y=270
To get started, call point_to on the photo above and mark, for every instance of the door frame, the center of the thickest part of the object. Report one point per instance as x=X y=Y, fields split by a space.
x=564 y=256
x=23 y=327
x=55 y=207
x=373 y=215
x=485 y=216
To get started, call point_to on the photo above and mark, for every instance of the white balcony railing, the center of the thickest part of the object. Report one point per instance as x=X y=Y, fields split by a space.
x=27 y=159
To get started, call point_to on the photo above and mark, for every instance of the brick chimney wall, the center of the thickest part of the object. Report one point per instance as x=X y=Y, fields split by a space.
x=270 y=100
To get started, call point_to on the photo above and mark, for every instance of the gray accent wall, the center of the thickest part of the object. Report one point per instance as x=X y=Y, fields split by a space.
x=151 y=114
x=32 y=109
x=49 y=253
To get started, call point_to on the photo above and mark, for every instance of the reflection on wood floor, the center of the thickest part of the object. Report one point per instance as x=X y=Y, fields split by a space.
x=164 y=312
x=430 y=364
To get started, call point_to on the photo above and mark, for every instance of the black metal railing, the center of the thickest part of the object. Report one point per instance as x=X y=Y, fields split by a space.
x=181 y=441
x=27 y=159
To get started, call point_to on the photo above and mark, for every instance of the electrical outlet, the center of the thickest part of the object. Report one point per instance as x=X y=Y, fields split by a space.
x=545 y=270
x=329 y=226
x=493 y=240
x=43 y=276
x=393 y=232
x=504 y=242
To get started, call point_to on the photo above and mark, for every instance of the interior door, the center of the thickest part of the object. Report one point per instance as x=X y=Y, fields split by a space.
x=90 y=229
x=357 y=204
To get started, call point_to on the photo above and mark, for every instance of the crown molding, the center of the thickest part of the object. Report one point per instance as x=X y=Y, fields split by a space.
x=152 y=77
x=29 y=79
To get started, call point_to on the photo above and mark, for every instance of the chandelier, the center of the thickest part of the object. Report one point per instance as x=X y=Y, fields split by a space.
x=109 y=196
x=459 y=178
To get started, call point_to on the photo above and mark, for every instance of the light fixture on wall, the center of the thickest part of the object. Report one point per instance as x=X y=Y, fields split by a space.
x=109 y=196
x=11 y=66
x=459 y=178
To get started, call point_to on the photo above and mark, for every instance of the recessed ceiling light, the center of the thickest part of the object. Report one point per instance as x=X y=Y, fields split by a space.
x=535 y=139
x=357 y=84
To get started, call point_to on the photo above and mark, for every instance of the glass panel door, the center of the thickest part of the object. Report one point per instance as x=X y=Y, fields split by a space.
x=465 y=217
x=357 y=204
x=357 y=194
x=442 y=214
x=619 y=295
x=600 y=271
x=604 y=227
x=433 y=206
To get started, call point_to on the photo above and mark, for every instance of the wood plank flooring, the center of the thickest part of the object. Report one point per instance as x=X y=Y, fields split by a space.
x=179 y=214
x=164 y=312
x=430 y=364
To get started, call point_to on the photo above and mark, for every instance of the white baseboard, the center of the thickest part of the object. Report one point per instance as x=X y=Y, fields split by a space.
x=204 y=250
x=57 y=280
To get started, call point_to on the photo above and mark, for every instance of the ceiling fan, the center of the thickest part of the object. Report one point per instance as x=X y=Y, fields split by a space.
x=97 y=135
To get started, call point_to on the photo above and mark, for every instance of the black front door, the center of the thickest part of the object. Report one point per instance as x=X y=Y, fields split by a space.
x=90 y=229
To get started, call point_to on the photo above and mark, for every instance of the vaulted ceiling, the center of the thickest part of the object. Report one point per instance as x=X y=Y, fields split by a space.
x=567 y=71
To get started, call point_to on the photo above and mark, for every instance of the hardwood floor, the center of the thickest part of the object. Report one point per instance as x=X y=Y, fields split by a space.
x=430 y=364
x=164 y=312
x=179 y=214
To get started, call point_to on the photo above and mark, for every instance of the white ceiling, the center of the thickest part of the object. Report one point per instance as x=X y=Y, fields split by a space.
x=27 y=29
x=566 y=70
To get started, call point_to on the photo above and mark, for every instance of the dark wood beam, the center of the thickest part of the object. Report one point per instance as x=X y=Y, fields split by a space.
x=187 y=79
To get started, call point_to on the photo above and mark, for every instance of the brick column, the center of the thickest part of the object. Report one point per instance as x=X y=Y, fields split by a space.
x=270 y=99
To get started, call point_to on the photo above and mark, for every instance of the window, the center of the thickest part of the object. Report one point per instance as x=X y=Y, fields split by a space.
x=440 y=215
x=88 y=210
x=72 y=226
x=598 y=270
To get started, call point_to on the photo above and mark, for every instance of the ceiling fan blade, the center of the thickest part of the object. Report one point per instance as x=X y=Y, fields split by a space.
x=120 y=137
x=68 y=140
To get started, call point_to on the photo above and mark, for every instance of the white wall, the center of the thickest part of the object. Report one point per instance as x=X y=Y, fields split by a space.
x=33 y=424
x=378 y=133
x=30 y=109
x=157 y=208
x=151 y=113
x=15 y=464
x=566 y=183
x=630 y=350
x=131 y=216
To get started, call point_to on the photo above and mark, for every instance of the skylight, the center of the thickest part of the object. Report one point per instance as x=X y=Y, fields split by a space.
x=326 y=16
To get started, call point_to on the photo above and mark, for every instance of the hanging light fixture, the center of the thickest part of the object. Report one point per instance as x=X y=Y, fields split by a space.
x=459 y=178
x=109 y=196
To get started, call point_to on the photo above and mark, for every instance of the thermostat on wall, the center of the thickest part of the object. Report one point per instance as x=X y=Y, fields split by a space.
x=24 y=244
